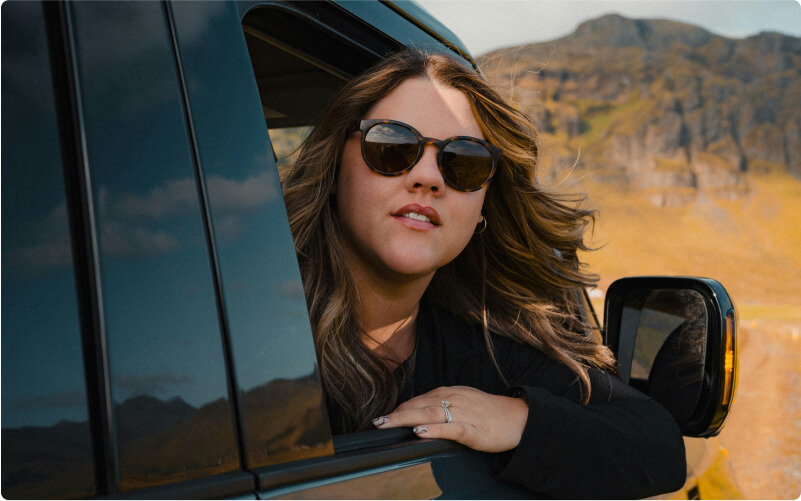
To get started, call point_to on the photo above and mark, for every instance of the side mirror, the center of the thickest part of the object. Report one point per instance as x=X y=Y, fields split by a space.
x=675 y=340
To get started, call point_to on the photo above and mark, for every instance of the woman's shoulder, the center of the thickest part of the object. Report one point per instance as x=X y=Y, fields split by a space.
x=461 y=348
x=462 y=343
x=457 y=332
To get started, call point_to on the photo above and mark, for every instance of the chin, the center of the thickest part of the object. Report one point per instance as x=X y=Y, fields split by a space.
x=411 y=268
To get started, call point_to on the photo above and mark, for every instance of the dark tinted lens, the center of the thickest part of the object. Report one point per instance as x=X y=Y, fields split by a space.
x=466 y=164
x=390 y=148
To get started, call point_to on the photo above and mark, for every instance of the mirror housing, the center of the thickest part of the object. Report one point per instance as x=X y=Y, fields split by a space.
x=675 y=340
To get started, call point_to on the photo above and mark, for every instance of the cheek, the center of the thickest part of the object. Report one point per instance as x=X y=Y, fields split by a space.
x=350 y=175
x=474 y=207
x=470 y=212
x=348 y=163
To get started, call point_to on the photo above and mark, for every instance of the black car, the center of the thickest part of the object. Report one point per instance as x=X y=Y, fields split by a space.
x=155 y=339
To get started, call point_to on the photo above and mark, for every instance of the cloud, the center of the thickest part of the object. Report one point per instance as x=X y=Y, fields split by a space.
x=53 y=248
x=247 y=195
x=125 y=240
x=72 y=398
x=149 y=384
x=117 y=239
x=227 y=228
x=121 y=240
x=291 y=289
x=172 y=197
x=176 y=197
x=54 y=253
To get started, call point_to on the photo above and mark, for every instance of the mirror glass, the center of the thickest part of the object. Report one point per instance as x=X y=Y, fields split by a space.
x=669 y=347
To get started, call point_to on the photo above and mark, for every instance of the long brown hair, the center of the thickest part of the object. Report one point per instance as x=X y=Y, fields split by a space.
x=518 y=278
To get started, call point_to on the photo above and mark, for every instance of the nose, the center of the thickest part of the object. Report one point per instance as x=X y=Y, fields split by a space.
x=425 y=175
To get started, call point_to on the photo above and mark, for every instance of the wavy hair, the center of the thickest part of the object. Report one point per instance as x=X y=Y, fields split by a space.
x=518 y=278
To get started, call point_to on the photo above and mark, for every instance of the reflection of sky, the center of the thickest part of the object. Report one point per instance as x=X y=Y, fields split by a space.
x=42 y=372
x=264 y=297
x=468 y=149
x=393 y=134
x=160 y=312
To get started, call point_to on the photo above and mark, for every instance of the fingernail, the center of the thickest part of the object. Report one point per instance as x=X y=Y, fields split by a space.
x=420 y=429
x=381 y=420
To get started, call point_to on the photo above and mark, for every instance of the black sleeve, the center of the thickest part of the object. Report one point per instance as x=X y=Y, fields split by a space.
x=621 y=445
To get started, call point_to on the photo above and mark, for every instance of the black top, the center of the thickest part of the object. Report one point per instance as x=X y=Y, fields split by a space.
x=622 y=444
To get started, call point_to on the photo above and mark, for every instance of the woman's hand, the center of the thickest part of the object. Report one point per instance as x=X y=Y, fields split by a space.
x=481 y=421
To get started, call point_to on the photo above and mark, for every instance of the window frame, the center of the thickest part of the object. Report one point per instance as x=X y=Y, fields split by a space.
x=362 y=454
x=83 y=228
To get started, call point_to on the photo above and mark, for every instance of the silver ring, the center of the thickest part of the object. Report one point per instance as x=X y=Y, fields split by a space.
x=445 y=405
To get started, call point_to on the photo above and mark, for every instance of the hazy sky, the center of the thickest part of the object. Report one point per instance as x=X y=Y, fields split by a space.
x=484 y=25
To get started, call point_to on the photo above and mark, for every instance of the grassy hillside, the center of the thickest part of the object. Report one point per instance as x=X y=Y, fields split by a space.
x=688 y=143
x=751 y=245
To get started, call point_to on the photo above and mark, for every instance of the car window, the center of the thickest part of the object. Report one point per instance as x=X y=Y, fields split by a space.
x=283 y=410
x=46 y=443
x=286 y=145
x=302 y=54
x=169 y=388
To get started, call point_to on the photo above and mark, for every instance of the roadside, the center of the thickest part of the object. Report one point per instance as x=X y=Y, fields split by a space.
x=763 y=431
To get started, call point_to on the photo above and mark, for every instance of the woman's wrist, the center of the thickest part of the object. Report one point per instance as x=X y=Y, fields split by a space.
x=521 y=394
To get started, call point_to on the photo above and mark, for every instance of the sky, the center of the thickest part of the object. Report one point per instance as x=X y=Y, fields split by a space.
x=485 y=25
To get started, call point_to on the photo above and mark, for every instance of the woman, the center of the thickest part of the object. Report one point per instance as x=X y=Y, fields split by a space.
x=441 y=280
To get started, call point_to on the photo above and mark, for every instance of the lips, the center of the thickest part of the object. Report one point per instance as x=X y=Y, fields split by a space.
x=420 y=213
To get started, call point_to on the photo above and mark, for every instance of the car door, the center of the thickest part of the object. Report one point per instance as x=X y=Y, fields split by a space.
x=146 y=404
x=157 y=342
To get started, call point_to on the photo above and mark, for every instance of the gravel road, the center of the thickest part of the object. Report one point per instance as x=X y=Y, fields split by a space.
x=763 y=431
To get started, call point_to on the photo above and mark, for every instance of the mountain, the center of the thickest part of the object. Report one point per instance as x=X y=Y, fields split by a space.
x=659 y=105
x=688 y=144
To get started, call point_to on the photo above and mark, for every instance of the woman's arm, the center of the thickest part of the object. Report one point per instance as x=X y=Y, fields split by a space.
x=621 y=445
x=624 y=448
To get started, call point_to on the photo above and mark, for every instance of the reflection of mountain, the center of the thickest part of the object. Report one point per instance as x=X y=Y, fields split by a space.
x=285 y=420
x=143 y=415
x=46 y=462
x=163 y=442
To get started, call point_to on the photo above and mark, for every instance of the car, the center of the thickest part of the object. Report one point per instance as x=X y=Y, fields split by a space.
x=156 y=341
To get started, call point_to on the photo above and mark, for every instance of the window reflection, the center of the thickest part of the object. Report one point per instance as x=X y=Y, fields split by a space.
x=169 y=388
x=46 y=443
x=670 y=349
x=283 y=409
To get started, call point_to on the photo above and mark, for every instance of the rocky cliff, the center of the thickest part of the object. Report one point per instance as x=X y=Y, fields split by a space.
x=659 y=105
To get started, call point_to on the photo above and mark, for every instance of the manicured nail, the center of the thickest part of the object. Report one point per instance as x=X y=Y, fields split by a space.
x=420 y=429
x=381 y=420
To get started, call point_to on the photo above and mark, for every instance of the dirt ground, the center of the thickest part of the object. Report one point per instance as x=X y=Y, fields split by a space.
x=763 y=431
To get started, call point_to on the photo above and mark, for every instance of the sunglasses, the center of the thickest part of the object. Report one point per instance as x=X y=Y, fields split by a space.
x=392 y=148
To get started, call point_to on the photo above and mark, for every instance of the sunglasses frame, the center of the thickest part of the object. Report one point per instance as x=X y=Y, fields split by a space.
x=364 y=127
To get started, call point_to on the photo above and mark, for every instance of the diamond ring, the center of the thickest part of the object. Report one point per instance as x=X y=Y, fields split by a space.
x=445 y=405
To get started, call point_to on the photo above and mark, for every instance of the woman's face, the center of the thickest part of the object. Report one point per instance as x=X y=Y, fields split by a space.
x=372 y=208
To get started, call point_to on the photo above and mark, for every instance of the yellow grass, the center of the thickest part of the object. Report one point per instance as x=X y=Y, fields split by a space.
x=784 y=312
x=751 y=245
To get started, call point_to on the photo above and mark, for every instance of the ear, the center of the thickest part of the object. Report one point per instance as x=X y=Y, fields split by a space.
x=480 y=218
